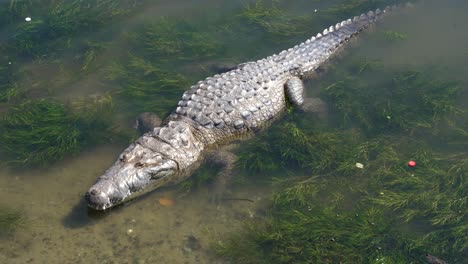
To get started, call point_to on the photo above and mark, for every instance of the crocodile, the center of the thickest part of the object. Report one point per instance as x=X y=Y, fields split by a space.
x=217 y=111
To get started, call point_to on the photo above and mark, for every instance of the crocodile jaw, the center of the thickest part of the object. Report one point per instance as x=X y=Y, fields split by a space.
x=136 y=172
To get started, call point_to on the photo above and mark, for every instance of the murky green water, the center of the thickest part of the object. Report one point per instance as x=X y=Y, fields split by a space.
x=133 y=50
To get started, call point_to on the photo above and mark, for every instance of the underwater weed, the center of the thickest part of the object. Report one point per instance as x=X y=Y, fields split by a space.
x=10 y=219
x=394 y=35
x=36 y=133
x=94 y=117
x=204 y=175
x=146 y=86
x=90 y=55
x=273 y=20
x=298 y=235
x=9 y=88
x=258 y=156
x=175 y=40
x=436 y=191
x=57 y=21
x=408 y=99
x=349 y=8
x=294 y=147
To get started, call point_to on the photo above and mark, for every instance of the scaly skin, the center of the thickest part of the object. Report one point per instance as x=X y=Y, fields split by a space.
x=217 y=110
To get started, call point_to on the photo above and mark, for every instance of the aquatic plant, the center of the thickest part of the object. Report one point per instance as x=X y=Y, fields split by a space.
x=408 y=99
x=57 y=21
x=206 y=174
x=343 y=217
x=437 y=192
x=8 y=87
x=175 y=40
x=146 y=86
x=301 y=234
x=36 y=133
x=297 y=147
x=348 y=8
x=90 y=54
x=95 y=118
x=273 y=20
x=338 y=212
x=394 y=35
x=10 y=219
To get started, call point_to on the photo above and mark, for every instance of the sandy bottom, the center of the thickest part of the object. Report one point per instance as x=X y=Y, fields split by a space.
x=60 y=229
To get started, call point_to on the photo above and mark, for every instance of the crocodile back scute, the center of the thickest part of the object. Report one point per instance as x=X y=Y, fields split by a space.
x=240 y=99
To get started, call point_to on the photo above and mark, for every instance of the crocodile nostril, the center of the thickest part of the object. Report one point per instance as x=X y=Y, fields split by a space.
x=93 y=192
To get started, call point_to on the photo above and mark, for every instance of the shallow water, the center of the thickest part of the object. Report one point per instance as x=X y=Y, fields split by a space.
x=60 y=229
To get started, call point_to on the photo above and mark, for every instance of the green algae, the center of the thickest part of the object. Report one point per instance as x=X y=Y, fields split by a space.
x=10 y=220
x=358 y=215
x=57 y=21
x=146 y=86
x=336 y=212
x=394 y=35
x=38 y=132
x=407 y=99
x=9 y=88
x=172 y=41
x=273 y=20
x=296 y=229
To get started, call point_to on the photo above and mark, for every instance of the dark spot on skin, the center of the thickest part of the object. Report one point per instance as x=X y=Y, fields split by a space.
x=139 y=165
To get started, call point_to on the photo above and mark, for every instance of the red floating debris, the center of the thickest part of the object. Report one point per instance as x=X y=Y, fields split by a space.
x=412 y=163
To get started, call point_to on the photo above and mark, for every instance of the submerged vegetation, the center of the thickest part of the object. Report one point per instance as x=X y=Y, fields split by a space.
x=57 y=21
x=392 y=106
x=273 y=20
x=39 y=132
x=344 y=213
x=334 y=211
x=174 y=40
x=8 y=86
x=147 y=86
x=10 y=219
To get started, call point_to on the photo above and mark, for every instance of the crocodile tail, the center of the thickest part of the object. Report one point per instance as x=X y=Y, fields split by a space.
x=312 y=53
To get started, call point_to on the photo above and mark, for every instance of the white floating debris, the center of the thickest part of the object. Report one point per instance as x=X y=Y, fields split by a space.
x=381 y=193
x=359 y=165
x=28 y=19
x=129 y=231
x=9 y=63
x=389 y=117
x=315 y=10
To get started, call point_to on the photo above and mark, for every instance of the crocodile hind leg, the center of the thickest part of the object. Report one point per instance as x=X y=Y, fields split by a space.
x=294 y=89
x=225 y=160
x=146 y=122
x=296 y=94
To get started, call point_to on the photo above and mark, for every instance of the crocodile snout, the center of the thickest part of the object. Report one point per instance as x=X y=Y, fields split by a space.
x=97 y=199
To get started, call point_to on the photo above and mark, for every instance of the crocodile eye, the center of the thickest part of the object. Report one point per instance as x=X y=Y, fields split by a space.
x=123 y=158
x=139 y=165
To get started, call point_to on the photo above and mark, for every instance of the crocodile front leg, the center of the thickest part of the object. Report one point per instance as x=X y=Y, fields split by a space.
x=226 y=161
x=146 y=122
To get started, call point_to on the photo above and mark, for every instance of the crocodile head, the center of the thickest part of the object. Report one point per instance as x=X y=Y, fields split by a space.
x=137 y=171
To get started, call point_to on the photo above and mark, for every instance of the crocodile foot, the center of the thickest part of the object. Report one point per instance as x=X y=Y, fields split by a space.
x=146 y=122
x=226 y=161
x=316 y=106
